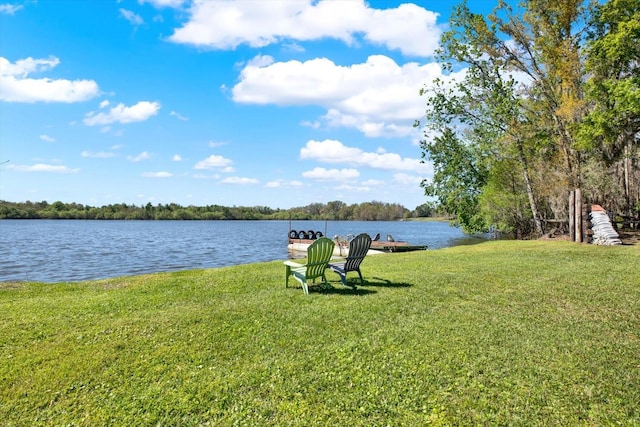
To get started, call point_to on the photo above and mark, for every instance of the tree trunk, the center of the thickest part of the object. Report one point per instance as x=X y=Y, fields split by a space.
x=627 y=193
x=532 y=200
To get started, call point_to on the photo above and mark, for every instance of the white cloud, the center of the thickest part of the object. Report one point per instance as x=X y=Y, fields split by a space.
x=97 y=155
x=373 y=182
x=178 y=116
x=313 y=125
x=104 y=104
x=292 y=47
x=332 y=151
x=214 y=144
x=240 y=180
x=139 y=112
x=40 y=167
x=9 y=9
x=378 y=97
x=145 y=155
x=331 y=174
x=157 y=174
x=176 y=157
x=260 y=61
x=213 y=162
x=281 y=183
x=406 y=179
x=133 y=18
x=203 y=176
x=47 y=138
x=164 y=3
x=354 y=188
x=226 y=25
x=16 y=86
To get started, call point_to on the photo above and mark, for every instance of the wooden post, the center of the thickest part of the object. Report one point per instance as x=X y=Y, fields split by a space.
x=578 y=221
x=586 y=223
x=572 y=216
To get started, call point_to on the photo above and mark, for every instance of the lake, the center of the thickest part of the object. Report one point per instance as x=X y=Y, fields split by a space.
x=77 y=250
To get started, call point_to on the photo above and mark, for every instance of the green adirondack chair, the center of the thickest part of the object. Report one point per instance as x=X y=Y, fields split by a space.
x=358 y=248
x=318 y=255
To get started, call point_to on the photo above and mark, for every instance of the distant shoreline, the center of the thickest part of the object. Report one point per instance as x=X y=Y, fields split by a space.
x=331 y=211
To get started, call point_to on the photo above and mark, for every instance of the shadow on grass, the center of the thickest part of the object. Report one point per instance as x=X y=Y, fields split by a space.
x=359 y=289
x=340 y=289
x=384 y=283
x=12 y=285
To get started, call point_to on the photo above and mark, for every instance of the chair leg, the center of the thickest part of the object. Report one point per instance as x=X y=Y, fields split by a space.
x=343 y=277
x=287 y=273
x=361 y=279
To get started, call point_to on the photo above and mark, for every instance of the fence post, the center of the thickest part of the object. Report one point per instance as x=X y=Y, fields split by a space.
x=578 y=223
x=572 y=215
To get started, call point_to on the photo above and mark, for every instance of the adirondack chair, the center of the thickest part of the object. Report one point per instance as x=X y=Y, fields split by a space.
x=318 y=255
x=358 y=248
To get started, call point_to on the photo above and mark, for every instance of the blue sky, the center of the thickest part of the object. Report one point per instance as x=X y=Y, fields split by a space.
x=237 y=103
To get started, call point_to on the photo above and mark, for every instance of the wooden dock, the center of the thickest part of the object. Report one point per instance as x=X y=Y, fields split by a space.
x=343 y=246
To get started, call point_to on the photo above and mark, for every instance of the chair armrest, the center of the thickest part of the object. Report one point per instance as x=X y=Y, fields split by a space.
x=293 y=264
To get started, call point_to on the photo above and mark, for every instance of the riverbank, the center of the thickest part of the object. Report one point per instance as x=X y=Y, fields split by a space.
x=499 y=333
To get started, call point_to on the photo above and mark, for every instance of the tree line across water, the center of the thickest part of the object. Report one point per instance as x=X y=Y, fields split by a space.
x=335 y=210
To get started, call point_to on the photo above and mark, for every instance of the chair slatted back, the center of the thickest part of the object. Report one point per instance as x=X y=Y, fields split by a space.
x=358 y=248
x=318 y=255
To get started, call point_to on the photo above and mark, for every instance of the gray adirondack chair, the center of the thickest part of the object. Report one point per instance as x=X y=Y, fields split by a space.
x=358 y=248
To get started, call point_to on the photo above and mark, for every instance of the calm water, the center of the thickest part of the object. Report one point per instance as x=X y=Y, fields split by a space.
x=60 y=250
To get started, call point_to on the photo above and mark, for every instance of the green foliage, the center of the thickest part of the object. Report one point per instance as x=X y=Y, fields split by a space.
x=507 y=210
x=429 y=209
x=522 y=100
x=336 y=210
x=614 y=84
x=611 y=128
x=458 y=179
x=502 y=333
x=486 y=108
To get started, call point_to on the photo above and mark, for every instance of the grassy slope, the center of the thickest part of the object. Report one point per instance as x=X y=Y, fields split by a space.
x=519 y=333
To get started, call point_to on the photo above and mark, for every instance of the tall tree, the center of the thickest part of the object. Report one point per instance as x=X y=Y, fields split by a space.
x=612 y=128
x=459 y=176
x=518 y=91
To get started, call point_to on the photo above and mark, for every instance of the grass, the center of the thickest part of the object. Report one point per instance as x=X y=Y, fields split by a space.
x=501 y=333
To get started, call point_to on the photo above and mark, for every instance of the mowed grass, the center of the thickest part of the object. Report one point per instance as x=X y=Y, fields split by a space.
x=501 y=333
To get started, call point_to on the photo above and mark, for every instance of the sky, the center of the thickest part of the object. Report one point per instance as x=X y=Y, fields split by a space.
x=235 y=103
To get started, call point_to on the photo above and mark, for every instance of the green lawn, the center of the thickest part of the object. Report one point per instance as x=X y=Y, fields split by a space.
x=501 y=333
